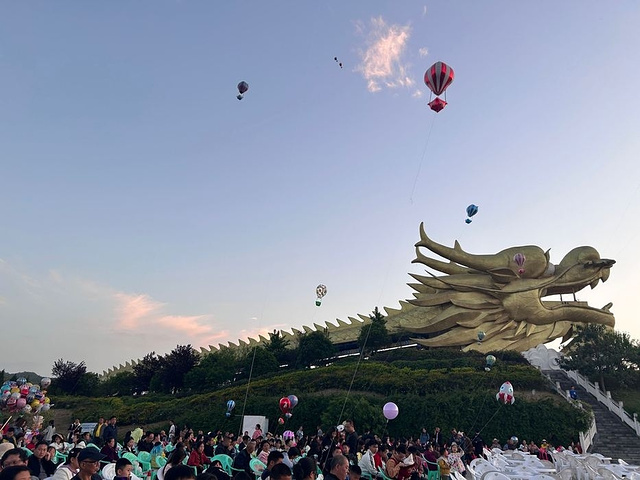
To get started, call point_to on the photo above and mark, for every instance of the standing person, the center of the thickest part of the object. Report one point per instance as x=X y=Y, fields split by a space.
x=172 y=431
x=70 y=467
x=351 y=437
x=424 y=437
x=40 y=464
x=74 y=429
x=478 y=445
x=437 y=437
x=111 y=430
x=300 y=434
x=257 y=433
x=97 y=432
x=49 y=432
x=89 y=464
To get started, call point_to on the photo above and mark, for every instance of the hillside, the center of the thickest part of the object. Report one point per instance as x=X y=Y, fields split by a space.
x=432 y=388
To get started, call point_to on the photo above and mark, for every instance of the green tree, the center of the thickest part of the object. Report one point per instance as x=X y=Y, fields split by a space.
x=122 y=383
x=314 y=346
x=263 y=362
x=144 y=371
x=67 y=375
x=215 y=369
x=598 y=352
x=375 y=334
x=277 y=345
x=176 y=365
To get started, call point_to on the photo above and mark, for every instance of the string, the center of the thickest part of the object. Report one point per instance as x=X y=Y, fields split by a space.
x=424 y=152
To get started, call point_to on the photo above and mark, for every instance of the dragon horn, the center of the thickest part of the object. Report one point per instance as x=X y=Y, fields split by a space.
x=456 y=254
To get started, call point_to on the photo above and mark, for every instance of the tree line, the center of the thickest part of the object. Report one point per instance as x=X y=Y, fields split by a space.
x=184 y=369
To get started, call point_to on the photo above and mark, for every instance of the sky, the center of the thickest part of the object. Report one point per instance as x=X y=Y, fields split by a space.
x=143 y=206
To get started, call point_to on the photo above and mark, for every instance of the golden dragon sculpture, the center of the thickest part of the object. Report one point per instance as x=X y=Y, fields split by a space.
x=501 y=295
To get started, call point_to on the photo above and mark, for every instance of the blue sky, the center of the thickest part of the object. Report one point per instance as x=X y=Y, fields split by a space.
x=143 y=206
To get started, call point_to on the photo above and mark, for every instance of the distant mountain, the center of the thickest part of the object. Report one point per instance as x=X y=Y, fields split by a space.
x=30 y=376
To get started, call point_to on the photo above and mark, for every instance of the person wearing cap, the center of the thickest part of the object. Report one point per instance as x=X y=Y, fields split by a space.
x=89 y=464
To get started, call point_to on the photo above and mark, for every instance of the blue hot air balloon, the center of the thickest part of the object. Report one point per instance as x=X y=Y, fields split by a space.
x=471 y=211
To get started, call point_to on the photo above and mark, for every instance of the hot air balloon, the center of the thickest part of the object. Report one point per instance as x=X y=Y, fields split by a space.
x=293 y=400
x=481 y=336
x=285 y=404
x=321 y=291
x=230 y=406
x=438 y=78
x=490 y=361
x=471 y=211
x=519 y=258
x=242 y=88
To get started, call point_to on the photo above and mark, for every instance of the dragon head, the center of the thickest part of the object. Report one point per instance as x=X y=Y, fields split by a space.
x=502 y=295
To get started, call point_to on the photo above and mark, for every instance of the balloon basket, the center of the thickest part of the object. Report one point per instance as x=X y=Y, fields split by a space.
x=318 y=302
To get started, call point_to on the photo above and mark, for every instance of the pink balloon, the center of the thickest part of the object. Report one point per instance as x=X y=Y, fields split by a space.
x=390 y=410
x=21 y=402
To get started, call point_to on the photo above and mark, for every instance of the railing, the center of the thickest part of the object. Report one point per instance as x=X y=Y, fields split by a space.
x=586 y=438
x=617 y=408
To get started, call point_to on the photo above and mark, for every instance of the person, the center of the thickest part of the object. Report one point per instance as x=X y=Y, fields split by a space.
x=89 y=464
x=172 y=431
x=216 y=469
x=74 y=429
x=431 y=459
x=109 y=449
x=176 y=458
x=243 y=458
x=455 y=460
x=424 y=437
x=280 y=472
x=478 y=445
x=445 y=468
x=351 y=436
x=111 y=430
x=275 y=457
x=180 y=472
x=338 y=469
x=305 y=469
x=97 y=432
x=367 y=463
x=70 y=467
x=265 y=448
x=40 y=463
x=300 y=434
x=84 y=440
x=156 y=452
x=17 y=472
x=257 y=433
x=146 y=444
x=13 y=457
x=197 y=458
x=573 y=393
x=123 y=469
x=49 y=432
x=225 y=447
x=355 y=472
x=10 y=436
x=395 y=463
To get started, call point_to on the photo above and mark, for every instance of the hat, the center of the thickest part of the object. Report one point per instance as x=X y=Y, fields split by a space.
x=90 y=453
x=6 y=446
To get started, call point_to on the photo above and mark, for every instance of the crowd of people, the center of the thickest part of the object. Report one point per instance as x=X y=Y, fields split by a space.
x=182 y=454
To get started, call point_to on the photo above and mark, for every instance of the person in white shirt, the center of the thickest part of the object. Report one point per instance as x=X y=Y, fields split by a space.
x=367 y=463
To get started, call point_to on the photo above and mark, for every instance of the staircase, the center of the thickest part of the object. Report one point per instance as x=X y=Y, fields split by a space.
x=614 y=438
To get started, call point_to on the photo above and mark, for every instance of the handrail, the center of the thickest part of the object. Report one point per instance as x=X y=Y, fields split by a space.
x=615 y=407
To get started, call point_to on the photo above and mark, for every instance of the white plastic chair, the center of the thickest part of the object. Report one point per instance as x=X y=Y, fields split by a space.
x=495 y=476
x=109 y=471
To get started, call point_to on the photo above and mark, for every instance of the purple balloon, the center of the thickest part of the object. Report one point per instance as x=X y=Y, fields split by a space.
x=390 y=410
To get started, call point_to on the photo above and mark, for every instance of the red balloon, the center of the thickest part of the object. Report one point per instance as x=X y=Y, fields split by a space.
x=438 y=77
x=285 y=404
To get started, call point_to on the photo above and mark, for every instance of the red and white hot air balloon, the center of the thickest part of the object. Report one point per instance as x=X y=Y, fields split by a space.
x=438 y=78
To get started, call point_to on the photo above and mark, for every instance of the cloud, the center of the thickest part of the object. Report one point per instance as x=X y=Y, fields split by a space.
x=423 y=51
x=383 y=65
x=424 y=11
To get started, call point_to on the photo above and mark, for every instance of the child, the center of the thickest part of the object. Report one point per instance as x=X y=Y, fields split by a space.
x=123 y=469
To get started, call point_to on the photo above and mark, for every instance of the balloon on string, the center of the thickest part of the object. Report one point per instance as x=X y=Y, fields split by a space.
x=481 y=336
x=471 y=211
x=340 y=428
x=321 y=291
x=242 y=89
x=293 y=400
x=280 y=421
x=505 y=394
x=45 y=382
x=21 y=381
x=390 y=410
x=288 y=434
x=285 y=404
x=490 y=359
x=288 y=415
